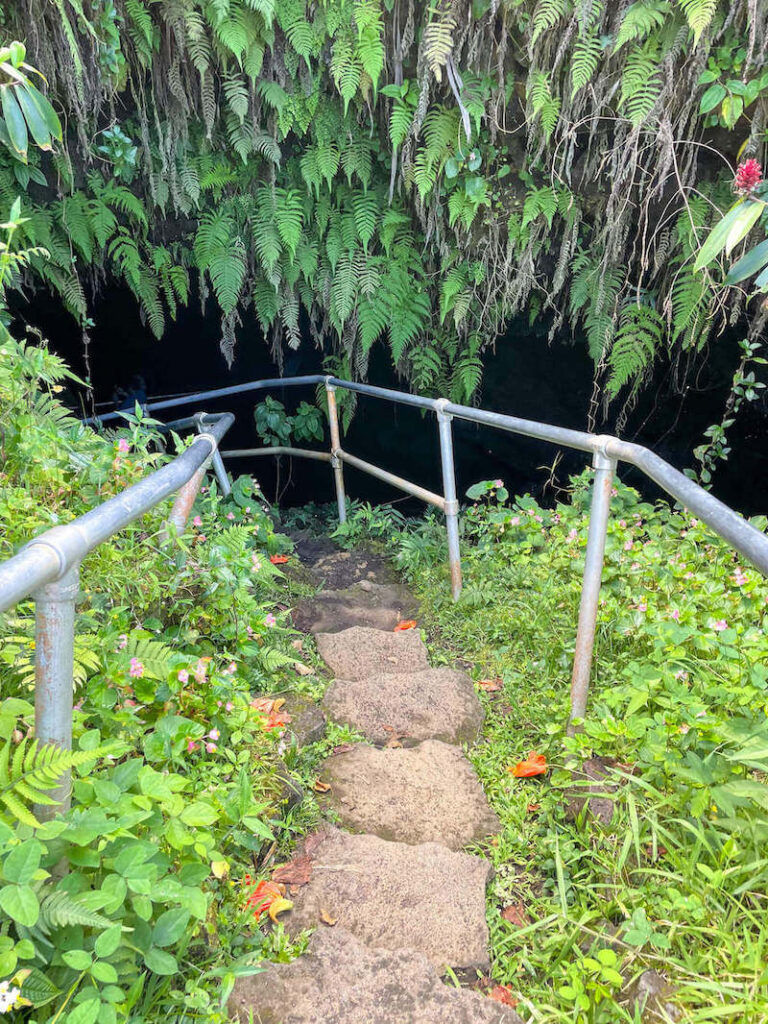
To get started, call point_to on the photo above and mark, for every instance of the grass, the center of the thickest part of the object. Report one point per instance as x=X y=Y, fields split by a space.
x=676 y=882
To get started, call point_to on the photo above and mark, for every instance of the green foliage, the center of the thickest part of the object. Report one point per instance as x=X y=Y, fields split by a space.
x=676 y=874
x=177 y=783
x=293 y=161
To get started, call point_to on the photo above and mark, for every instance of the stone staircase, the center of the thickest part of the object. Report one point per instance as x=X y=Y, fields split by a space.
x=391 y=894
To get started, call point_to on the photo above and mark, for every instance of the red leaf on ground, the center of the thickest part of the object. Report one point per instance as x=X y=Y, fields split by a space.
x=295 y=873
x=502 y=994
x=532 y=808
x=516 y=914
x=405 y=624
x=490 y=685
x=279 y=559
x=344 y=748
x=534 y=764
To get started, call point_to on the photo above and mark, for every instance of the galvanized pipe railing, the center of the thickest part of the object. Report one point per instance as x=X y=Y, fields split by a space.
x=606 y=452
x=48 y=570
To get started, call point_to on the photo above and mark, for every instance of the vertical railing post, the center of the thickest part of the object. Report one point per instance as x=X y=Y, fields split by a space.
x=605 y=468
x=54 y=671
x=336 y=465
x=449 y=493
x=217 y=463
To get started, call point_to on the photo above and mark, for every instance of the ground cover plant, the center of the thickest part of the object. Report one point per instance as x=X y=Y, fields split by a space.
x=182 y=660
x=673 y=876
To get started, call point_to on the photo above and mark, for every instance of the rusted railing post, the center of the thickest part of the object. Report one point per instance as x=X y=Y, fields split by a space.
x=605 y=468
x=336 y=464
x=54 y=672
x=449 y=493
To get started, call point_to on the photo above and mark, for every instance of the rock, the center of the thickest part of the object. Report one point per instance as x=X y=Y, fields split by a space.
x=346 y=568
x=438 y=703
x=393 y=896
x=652 y=995
x=381 y=607
x=591 y=791
x=308 y=723
x=427 y=793
x=358 y=652
x=341 y=981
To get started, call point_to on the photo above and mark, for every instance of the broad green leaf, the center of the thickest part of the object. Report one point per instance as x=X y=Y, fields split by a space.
x=714 y=95
x=77 y=959
x=20 y=904
x=749 y=264
x=742 y=225
x=160 y=962
x=15 y=123
x=199 y=813
x=34 y=118
x=106 y=943
x=22 y=862
x=85 y=1013
x=714 y=242
x=170 y=927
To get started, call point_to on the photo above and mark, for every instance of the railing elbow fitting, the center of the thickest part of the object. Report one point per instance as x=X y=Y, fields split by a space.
x=440 y=407
x=68 y=543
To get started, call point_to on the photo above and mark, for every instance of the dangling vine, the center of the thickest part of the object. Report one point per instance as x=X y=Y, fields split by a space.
x=405 y=173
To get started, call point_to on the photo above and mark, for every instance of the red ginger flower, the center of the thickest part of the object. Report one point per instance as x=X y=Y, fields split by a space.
x=748 y=176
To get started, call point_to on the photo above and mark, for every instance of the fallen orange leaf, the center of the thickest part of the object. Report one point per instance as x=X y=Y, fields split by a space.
x=532 y=808
x=405 y=624
x=502 y=994
x=326 y=918
x=516 y=914
x=490 y=685
x=534 y=764
x=268 y=897
x=321 y=787
x=279 y=559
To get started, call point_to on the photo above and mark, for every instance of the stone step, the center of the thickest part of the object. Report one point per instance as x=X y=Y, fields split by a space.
x=438 y=703
x=341 y=981
x=423 y=794
x=379 y=605
x=360 y=651
x=394 y=896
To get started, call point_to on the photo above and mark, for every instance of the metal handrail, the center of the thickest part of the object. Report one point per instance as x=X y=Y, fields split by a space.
x=606 y=452
x=48 y=567
x=48 y=570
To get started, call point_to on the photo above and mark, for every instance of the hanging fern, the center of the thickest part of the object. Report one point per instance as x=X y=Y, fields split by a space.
x=638 y=339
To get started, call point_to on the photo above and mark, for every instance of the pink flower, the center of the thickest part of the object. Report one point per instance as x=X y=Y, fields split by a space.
x=498 y=483
x=614 y=493
x=200 y=670
x=229 y=705
x=675 y=614
x=247 y=508
x=270 y=620
x=538 y=519
x=628 y=545
x=719 y=625
x=211 y=748
x=123 y=642
x=128 y=703
x=197 y=521
x=137 y=669
x=681 y=674
x=623 y=524
x=635 y=565
x=123 y=447
x=183 y=676
x=573 y=534
x=514 y=521
x=256 y=563
x=191 y=745
x=230 y=515
x=642 y=607
x=231 y=668
x=748 y=176
x=201 y=538
x=214 y=734
x=688 y=576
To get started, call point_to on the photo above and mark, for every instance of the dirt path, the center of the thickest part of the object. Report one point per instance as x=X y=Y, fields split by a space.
x=391 y=894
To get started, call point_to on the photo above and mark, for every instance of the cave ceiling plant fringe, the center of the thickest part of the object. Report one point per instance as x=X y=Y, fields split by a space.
x=407 y=174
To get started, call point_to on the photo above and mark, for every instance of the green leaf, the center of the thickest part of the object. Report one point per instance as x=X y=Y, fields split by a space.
x=77 y=959
x=22 y=862
x=712 y=97
x=14 y=122
x=199 y=813
x=718 y=236
x=85 y=1013
x=34 y=118
x=20 y=903
x=106 y=943
x=170 y=927
x=103 y=972
x=743 y=224
x=749 y=264
x=160 y=962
